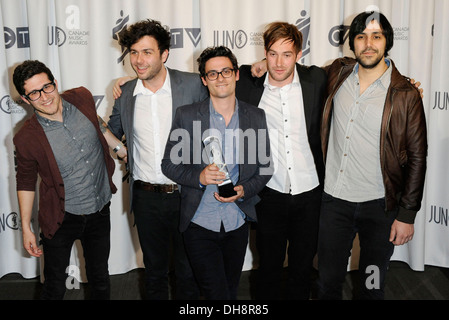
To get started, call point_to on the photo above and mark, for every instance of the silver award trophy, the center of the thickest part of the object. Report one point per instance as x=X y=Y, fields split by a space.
x=212 y=146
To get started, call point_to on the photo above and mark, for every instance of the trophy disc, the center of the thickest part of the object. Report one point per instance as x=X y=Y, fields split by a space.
x=226 y=190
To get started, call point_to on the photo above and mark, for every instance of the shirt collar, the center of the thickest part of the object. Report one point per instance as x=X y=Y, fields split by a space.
x=384 y=80
x=140 y=88
x=214 y=113
x=66 y=107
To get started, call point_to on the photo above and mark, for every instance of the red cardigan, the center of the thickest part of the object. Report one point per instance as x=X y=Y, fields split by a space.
x=35 y=157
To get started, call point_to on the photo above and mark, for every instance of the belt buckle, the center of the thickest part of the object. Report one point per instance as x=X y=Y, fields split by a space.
x=172 y=188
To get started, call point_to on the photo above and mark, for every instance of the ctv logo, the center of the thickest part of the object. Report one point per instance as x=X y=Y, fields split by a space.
x=19 y=37
x=338 y=35
x=177 y=35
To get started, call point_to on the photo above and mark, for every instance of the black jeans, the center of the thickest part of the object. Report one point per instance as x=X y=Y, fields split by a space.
x=339 y=223
x=217 y=259
x=286 y=220
x=157 y=221
x=94 y=232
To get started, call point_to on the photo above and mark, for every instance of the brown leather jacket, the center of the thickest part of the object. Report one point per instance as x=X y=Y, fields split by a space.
x=403 y=139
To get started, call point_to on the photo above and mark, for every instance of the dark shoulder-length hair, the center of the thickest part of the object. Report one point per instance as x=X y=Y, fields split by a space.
x=360 y=22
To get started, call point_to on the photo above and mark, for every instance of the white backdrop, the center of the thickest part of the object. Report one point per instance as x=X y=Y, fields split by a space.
x=77 y=39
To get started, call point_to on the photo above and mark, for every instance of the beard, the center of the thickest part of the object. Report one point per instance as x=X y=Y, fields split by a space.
x=369 y=65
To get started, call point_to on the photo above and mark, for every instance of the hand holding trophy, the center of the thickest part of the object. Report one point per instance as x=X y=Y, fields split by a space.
x=214 y=153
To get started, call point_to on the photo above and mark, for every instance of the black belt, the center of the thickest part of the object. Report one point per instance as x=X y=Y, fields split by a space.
x=159 y=188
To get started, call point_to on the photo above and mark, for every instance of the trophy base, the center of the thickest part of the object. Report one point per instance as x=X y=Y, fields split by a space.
x=227 y=190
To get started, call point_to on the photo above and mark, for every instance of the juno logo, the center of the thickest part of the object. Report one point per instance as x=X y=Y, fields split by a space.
x=441 y=100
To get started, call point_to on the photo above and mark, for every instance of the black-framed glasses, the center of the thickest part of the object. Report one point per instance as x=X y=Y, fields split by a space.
x=36 y=94
x=213 y=75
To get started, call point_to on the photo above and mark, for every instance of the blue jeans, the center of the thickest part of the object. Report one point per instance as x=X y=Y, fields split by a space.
x=94 y=232
x=217 y=259
x=339 y=222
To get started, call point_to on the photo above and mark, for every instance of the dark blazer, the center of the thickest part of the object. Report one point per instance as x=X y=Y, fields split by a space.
x=194 y=119
x=35 y=157
x=313 y=82
x=186 y=88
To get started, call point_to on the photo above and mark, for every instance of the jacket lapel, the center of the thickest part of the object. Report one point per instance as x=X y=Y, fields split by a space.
x=128 y=109
x=308 y=95
x=178 y=94
x=244 y=124
x=204 y=117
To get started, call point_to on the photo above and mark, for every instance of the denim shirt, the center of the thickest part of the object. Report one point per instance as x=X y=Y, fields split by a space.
x=79 y=155
x=211 y=214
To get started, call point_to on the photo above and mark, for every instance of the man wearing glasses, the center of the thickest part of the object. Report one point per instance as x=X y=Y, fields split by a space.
x=143 y=114
x=65 y=144
x=215 y=226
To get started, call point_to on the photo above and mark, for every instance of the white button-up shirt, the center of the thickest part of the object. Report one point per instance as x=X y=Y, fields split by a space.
x=152 y=124
x=294 y=166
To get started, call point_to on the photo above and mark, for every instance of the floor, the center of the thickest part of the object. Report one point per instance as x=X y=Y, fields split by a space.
x=402 y=284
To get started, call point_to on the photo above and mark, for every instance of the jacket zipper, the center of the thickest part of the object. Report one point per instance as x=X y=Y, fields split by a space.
x=386 y=129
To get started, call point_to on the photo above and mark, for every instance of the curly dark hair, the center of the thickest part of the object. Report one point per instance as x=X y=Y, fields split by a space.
x=27 y=70
x=148 y=27
x=213 y=52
